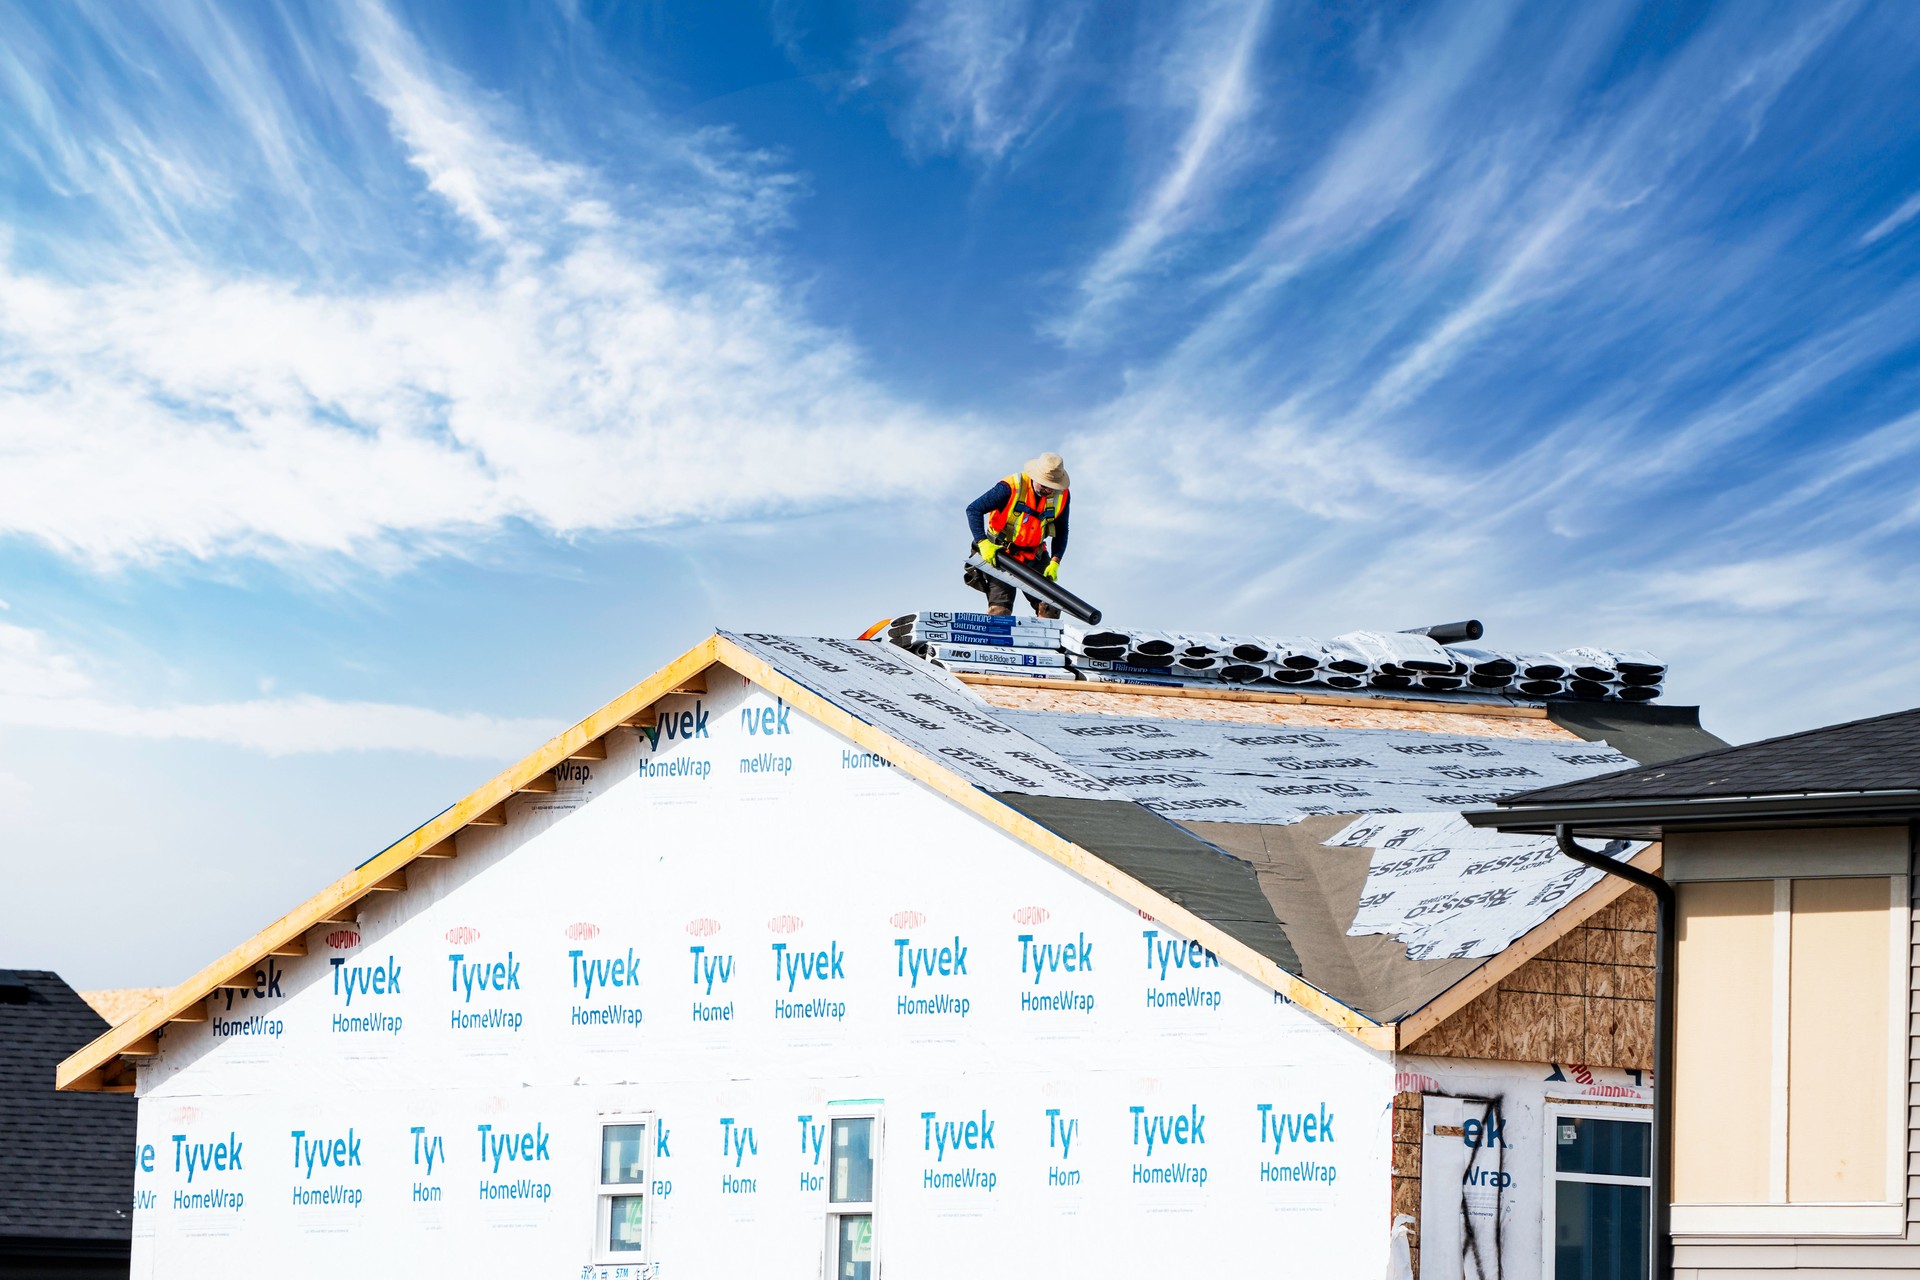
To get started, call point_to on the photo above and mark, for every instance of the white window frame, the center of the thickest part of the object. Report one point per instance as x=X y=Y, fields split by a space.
x=830 y=1260
x=1777 y=1216
x=1550 y=1167
x=604 y=1192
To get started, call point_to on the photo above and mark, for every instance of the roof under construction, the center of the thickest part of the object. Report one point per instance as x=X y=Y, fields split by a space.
x=1310 y=839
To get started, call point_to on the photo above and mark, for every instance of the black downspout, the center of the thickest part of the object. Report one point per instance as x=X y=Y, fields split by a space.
x=1663 y=966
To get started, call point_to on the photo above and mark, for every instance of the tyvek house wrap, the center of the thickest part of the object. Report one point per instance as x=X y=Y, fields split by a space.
x=635 y=956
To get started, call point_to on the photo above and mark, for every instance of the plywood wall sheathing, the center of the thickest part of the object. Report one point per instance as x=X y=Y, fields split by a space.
x=1075 y=699
x=1587 y=999
x=1409 y=1125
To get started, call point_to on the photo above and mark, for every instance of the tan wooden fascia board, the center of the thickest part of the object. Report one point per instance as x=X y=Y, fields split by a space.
x=82 y=1070
x=1237 y=693
x=1522 y=949
x=1080 y=861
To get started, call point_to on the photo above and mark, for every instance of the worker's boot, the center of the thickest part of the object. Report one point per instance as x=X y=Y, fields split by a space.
x=1045 y=611
x=999 y=610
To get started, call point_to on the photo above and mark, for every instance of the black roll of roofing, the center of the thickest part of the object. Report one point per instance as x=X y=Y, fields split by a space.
x=1151 y=645
x=1104 y=639
x=1386 y=680
x=1481 y=680
x=1287 y=675
x=1342 y=680
x=1639 y=692
x=1589 y=690
x=1441 y=683
x=1485 y=662
x=1251 y=651
x=1535 y=688
x=1242 y=672
x=1136 y=658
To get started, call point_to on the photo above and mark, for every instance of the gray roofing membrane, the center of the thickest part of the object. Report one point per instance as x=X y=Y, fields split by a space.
x=1337 y=853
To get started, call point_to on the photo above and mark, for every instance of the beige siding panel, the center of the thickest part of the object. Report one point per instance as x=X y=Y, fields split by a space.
x=1837 y=1042
x=1724 y=1019
x=1913 y=1056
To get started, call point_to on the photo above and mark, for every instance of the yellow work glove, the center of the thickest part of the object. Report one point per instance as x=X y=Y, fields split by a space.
x=1053 y=571
x=987 y=548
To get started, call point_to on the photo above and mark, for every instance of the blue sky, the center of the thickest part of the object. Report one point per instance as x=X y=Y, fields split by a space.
x=384 y=385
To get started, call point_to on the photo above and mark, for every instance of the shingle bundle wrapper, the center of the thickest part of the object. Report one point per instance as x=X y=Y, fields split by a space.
x=989 y=644
x=1387 y=661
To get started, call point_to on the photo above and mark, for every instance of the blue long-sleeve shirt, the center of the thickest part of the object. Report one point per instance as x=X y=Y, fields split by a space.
x=997 y=497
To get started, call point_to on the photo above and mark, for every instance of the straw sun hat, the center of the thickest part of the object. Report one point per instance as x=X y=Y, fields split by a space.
x=1048 y=469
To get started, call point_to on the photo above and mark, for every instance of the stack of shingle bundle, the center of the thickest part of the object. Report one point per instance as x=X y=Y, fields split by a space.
x=1388 y=661
x=991 y=644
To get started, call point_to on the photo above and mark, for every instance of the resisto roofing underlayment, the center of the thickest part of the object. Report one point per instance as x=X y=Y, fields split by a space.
x=1444 y=890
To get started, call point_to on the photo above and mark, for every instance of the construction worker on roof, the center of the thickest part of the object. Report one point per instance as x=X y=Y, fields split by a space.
x=1024 y=518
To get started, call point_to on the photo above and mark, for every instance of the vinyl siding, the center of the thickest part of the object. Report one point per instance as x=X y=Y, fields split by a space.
x=1858 y=1259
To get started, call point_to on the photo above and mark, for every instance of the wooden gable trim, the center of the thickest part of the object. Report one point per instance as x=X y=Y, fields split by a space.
x=92 y=1067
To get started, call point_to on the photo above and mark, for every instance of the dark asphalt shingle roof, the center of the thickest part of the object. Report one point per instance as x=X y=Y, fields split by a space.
x=1879 y=754
x=66 y=1159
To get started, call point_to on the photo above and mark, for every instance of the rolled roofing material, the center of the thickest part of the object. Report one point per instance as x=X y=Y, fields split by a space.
x=1074 y=635
x=1540 y=666
x=1398 y=648
x=1345 y=659
x=1157 y=644
x=1387 y=661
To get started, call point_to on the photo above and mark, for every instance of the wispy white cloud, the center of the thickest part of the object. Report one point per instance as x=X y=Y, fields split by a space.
x=1908 y=210
x=986 y=73
x=46 y=686
x=591 y=364
x=1208 y=76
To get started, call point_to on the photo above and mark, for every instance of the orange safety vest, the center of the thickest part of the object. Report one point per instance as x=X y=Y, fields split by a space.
x=1025 y=522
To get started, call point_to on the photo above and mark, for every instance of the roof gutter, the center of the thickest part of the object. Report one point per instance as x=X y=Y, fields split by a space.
x=1663 y=1005
x=1645 y=819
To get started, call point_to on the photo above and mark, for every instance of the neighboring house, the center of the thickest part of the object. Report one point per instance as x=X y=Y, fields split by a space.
x=1795 y=1062
x=66 y=1160
x=804 y=958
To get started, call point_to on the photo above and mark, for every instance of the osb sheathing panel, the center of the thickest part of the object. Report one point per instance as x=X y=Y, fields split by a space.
x=1084 y=703
x=1586 y=999
x=1409 y=1133
x=120 y=1003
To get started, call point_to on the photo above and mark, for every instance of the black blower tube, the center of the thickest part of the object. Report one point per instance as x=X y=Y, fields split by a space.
x=1450 y=632
x=1020 y=578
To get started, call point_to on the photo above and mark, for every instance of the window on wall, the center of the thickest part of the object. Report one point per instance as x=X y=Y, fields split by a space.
x=621 y=1223
x=1599 y=1198
x=1790 y=1058
x=853 y=1143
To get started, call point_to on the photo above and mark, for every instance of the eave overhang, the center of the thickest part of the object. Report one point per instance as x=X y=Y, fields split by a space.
x=1643 y=819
